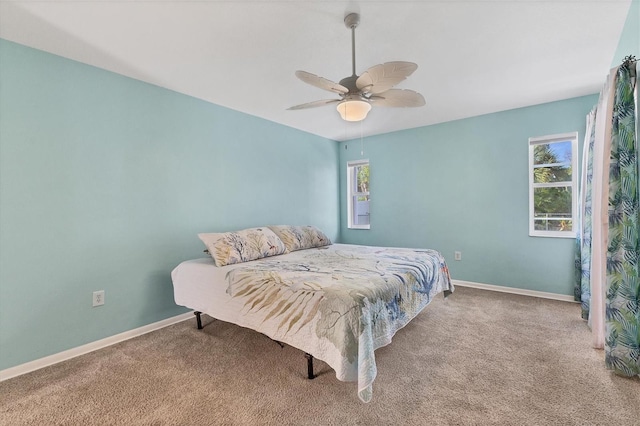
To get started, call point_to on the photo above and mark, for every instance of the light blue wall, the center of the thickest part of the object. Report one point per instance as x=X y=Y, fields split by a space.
x=629 y=43
x=463 y=185
x=104 y=183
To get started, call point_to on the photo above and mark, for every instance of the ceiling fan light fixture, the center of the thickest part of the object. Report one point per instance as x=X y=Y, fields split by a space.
x=353 y=110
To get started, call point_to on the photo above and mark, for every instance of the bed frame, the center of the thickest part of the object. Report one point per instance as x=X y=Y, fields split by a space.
x=309 y=357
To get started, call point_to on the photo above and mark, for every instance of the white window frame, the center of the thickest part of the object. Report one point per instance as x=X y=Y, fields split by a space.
x=351 y=193
x=563 y=137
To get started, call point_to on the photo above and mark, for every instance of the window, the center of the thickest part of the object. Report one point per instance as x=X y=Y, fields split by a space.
x=553 y=185
x=358 y=194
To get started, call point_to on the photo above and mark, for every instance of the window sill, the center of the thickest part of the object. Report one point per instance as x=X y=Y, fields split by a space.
x=553 y=234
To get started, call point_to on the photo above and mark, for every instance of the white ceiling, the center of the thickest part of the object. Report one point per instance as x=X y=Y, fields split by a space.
x=474 y=56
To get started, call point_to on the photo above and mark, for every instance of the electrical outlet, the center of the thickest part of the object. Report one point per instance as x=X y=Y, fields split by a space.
x=98 y=298
x=457 y=255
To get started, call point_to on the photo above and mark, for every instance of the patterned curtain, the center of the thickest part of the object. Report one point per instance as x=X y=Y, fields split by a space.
x=622 y=314
x=608 y=228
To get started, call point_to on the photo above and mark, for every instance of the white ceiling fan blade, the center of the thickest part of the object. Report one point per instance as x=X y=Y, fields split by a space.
x=382 y=77
x=398 y=98
x=321 y=82
x=315 y=104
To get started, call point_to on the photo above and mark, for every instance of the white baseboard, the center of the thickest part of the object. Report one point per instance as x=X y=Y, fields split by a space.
x=513 y=290
x=89 y=347
x=112 y=340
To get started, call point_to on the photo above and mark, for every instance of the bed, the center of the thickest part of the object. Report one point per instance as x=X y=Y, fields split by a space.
x=337 y=303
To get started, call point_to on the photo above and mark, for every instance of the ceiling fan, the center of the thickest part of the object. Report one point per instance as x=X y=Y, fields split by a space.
x=373 y=87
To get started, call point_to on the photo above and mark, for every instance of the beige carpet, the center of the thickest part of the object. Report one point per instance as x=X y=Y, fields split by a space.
x=477 y=358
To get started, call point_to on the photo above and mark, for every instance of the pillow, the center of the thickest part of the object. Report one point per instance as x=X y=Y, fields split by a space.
x=300 y=237
x=242 y=246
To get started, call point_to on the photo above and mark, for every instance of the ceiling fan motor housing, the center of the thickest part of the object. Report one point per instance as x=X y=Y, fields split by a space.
x=350 y=83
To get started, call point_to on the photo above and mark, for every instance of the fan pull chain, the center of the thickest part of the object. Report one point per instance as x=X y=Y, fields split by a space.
x=361 y=141
x=345 y=135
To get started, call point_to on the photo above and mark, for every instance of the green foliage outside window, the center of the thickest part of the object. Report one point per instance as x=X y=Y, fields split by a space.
x=362 y=181
x=554 y=201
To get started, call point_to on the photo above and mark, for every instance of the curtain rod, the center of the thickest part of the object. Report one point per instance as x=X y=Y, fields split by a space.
x=630 y=63
x=628 y=60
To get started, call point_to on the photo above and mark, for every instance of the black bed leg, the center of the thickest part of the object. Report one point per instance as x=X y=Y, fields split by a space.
x=197 y=314
x=309 y=366
x=447 y=293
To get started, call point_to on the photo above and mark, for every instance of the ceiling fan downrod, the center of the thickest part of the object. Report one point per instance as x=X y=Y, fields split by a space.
x=351 y=21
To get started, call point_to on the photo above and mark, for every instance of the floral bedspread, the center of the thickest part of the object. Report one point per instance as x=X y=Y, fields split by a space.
x=340 y=303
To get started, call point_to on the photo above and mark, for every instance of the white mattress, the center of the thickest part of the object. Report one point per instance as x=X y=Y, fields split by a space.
x=200 y=285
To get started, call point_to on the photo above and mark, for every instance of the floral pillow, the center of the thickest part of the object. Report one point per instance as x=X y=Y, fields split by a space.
x=242 y=246
x=300 y=237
